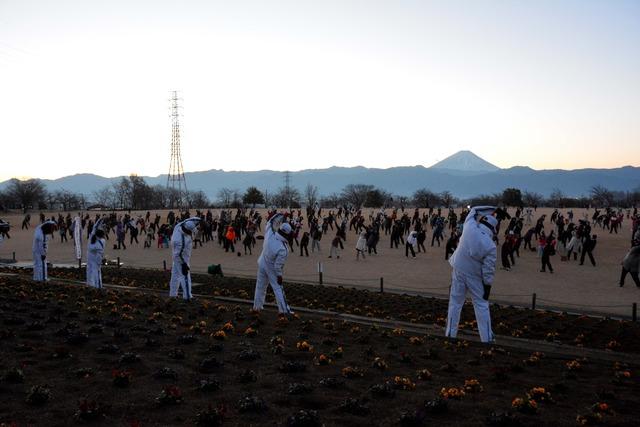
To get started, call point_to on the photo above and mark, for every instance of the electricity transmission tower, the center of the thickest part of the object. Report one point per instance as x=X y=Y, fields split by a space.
x=176 y=182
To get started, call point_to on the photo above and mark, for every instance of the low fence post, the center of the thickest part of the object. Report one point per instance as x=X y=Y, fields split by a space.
x=320 y=273
x=118 y=262
x=79 y=263
x=533 y=301
x=14 y=257
x=164 y=265
x=382 y=285
x=634 y=312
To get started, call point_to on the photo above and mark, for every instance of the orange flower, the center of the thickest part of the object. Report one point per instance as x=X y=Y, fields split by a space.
x=404 y=383
x=416 y=341
x=304 y=346
x=452 y=393
x=472 y=386
x=573 y=365
x=324 y=360
x=219 y=335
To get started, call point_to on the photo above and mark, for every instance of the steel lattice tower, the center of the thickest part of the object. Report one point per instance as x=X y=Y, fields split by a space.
x=176 y=182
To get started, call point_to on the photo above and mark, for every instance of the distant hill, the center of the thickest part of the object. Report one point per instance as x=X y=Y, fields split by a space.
x=462 y=175
x=465 y=161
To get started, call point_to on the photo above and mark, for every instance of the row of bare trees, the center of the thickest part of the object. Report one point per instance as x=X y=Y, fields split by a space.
x=134 y=193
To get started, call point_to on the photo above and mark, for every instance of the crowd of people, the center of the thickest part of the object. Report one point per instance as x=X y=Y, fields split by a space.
x=471 y=240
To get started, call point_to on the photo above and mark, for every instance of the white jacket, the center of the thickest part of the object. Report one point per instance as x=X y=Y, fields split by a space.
x=39 y=247
x=181 y=246
x=476 y=251
x=361 y=244
x=412 y=239
x=274 y=249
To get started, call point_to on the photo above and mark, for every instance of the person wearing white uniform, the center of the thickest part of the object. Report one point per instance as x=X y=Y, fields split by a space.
x=95 y=253
x=39 y=250
x=474 y=265
x=271 y=263
x=181 y=243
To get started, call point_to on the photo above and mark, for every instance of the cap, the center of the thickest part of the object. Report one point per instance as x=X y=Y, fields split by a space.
x=191 y=223
x=285 y=228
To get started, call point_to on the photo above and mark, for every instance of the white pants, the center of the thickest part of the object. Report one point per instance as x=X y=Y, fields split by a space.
x=267 y=277
x=94 y=274
x=460 y=284
x=39 y=269
x=179 y=280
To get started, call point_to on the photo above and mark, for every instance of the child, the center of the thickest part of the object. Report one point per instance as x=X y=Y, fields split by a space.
x=335 y=245
x=361 y=244
x=148 y=239
x=304 y=243
x=247 y=242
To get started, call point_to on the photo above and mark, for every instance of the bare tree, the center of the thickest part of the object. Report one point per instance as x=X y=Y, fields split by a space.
x=198 y=199
x=424 y=198
x=331 y=201
x=556 y=198
x=356 y=194
x=447 y=199
x=310 y=194
x=286 y=198
x=225 y=196
x=27 y=194
x=602 y=196
x=530 y=198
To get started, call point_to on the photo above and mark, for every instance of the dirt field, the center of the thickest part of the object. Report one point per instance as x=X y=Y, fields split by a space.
x=573 y=287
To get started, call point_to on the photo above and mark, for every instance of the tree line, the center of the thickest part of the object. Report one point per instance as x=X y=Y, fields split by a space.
x=133 y=193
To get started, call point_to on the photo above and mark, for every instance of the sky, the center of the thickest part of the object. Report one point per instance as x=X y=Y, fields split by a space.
x=291 y=85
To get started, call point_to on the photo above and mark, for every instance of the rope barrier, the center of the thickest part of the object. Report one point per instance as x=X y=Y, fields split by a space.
x=512 y=295
x=353 y=279
x=581 y=305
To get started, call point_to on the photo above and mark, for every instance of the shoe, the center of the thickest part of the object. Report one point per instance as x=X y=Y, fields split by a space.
x=621 y=284
x=542 y=271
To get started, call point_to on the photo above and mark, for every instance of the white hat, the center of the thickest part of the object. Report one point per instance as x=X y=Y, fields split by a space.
x=285 y=228
x=491 y=220
x=191 y=223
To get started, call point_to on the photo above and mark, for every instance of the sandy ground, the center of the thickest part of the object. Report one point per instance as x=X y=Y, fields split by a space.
x=573 y=287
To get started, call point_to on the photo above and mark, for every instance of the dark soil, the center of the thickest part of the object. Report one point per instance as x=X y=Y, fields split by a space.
x=591 y=332
x=71 y=354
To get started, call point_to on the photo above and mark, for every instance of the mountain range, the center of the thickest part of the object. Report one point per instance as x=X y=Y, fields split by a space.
x=463 y=174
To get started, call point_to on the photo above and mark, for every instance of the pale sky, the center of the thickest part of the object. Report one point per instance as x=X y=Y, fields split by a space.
x=300 y=84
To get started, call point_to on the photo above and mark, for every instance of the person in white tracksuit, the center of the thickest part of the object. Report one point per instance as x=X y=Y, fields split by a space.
x=39 y=250
x=95 y=254
x=271 y=263
x=181 y=244
x=474 y=265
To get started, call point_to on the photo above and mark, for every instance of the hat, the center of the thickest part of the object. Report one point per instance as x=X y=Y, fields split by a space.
x=191 y=223
x=285 y=228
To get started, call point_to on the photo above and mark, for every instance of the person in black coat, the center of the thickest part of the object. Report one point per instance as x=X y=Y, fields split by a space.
x=304 y=243
x=547 y=252
x=587 y=249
